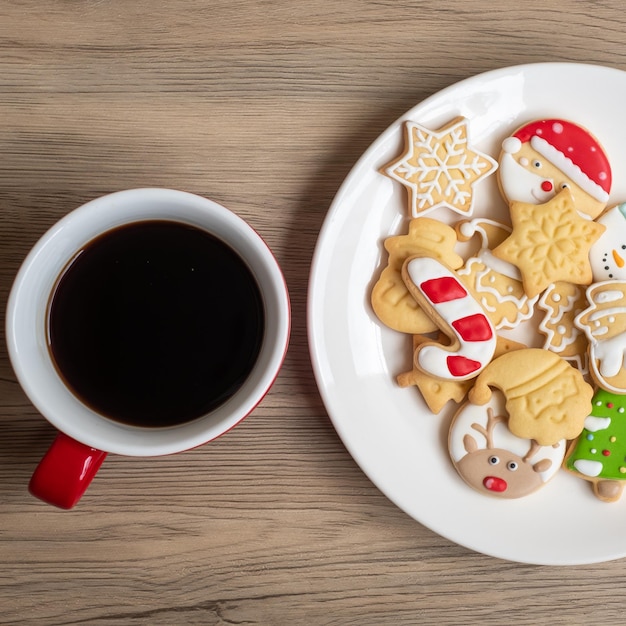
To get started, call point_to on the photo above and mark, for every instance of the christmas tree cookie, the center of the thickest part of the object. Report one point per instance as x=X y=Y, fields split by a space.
x=599 y=453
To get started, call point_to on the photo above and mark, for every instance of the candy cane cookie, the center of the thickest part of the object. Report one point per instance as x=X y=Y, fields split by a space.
x=457 y=313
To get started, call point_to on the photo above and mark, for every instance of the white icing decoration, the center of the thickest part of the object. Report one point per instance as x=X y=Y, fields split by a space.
x=563 y=307
x=593 y=424
x=610 y=353
x=588 y=468
x=521 y=184
x=467 y=229
x=511 y=145
x=610 y=295
x=602 y=313
x=523 y=305
x=424 y=179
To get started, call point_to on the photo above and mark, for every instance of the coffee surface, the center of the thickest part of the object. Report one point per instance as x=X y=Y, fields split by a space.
x=155 y=323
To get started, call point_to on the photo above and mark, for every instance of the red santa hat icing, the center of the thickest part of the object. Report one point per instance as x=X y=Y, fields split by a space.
x=572 y=149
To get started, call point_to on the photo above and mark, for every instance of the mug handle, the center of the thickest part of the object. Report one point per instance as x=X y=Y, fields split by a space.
x=65 y=471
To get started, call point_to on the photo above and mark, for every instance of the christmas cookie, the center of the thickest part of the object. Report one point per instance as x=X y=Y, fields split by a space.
x=546 y=398
x=549 y=242
x=439 y=168
x=608 y=254
x=436 y=392
x=562 y=302
x=496 y=283
x=391 y=300
x=493 y=460
x=544 y=156
x=457 y=314
x=599 y=454
x=604 y=324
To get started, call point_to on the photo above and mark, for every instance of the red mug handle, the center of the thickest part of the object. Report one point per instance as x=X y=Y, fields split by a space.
x=65 y=472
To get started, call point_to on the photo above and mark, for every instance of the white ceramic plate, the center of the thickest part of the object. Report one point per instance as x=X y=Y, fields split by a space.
x=388 y=430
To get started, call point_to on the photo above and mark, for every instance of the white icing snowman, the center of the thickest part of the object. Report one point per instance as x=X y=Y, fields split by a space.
x=608 y=254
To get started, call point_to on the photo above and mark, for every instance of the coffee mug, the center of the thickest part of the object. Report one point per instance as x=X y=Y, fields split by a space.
x=144 y=323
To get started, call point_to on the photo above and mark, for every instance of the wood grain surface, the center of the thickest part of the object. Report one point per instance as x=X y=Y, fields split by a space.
x=263 y=106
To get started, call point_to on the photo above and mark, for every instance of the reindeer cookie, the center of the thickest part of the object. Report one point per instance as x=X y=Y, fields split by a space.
x=492 y=460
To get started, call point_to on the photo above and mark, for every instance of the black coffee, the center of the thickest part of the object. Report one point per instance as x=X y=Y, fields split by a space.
x=155 y=323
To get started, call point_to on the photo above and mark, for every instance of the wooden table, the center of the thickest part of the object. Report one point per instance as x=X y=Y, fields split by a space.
x=264 y=107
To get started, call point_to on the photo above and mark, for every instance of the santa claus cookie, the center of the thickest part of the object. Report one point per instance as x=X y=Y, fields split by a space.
x=493 y=460
x=544 y=156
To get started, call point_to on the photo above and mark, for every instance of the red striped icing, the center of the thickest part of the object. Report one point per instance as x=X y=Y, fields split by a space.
x=461 y=366
x=473 y=328
x=443 y=289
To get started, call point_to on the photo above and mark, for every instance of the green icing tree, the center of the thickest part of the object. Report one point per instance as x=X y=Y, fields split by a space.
x=599 y=453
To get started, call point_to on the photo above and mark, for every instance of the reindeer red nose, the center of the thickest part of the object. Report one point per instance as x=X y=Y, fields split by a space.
x=493 y=483
x=546 y=185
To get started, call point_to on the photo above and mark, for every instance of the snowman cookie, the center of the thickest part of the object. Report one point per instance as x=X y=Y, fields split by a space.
x=607 y=256
x=545 y=156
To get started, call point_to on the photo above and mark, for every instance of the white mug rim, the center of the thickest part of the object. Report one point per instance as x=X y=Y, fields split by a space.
x=32 y=362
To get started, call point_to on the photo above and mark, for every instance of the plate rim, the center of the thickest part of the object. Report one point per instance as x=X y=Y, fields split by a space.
x=315 y=347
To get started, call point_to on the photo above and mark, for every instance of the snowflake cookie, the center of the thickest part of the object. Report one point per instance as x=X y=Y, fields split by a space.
x=439 y=168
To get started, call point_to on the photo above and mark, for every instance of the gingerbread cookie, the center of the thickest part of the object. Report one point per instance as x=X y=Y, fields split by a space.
x=604 y=324
x=391 y=300
x=546 y=398
x=496 y=283
x=457 y=314
x=544 y=156
x=550 y=242
x=493 y=460
x=562 y=303
x=439 y=168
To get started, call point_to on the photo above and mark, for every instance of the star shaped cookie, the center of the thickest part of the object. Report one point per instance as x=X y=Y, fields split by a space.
x=550 y=242
x=439 y=168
